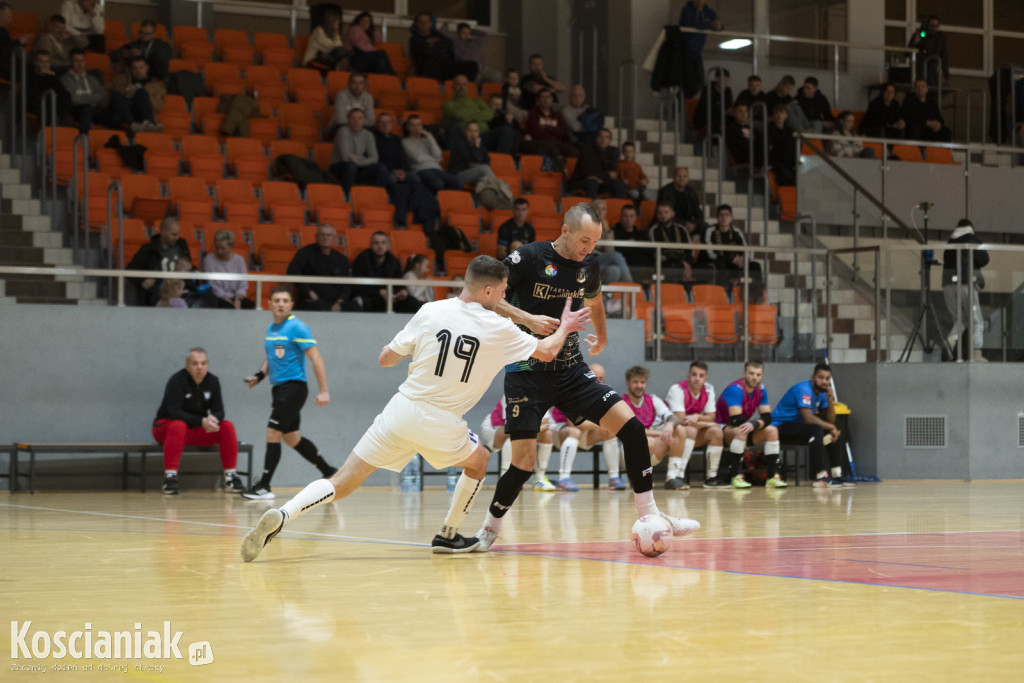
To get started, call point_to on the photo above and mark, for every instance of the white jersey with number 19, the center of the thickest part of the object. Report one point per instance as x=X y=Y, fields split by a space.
x=457 y=348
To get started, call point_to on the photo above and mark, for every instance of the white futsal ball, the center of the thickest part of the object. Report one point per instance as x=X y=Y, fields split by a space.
x=651 y=535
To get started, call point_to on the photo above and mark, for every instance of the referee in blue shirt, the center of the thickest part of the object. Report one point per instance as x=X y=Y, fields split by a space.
x=288 y=344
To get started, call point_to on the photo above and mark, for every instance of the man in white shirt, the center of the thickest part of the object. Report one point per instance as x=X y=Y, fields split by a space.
x=85 y=17
x=693 y=402
x=457 y=346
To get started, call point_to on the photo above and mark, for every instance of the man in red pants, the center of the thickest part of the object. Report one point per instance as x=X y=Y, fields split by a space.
x=192 y=414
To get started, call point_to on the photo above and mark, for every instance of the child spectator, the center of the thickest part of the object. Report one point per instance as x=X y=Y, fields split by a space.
x=632 y=174
x=511 y=96
x=170 y=294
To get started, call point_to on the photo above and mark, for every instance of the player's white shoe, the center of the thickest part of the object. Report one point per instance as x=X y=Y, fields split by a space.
x=680 y=526
x=259 y=536
x=487 y=537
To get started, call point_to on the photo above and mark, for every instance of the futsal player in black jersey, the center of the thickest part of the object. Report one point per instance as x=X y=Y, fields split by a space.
x=541 y=276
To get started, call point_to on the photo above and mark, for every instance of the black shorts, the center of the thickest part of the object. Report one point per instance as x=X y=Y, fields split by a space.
x=288 y=397
x=575 y=391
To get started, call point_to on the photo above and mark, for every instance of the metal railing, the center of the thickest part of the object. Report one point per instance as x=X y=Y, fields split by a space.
x=79 y=221
x=998 y=106
x=619 y=119
x=19 y=96
x=48 y=162
x=758 y=173
x=582 y=66
x=712 y=136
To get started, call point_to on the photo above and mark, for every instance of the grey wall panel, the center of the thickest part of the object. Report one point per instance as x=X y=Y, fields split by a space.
x=996 y=401
x=857 y=387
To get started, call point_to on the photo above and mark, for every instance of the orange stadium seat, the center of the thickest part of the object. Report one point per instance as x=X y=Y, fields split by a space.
x=237 y=201
x=281 y=202
x=218 y=71
x=264 y=129
x=190 y=198
x=142 y=198
x=327 y=203
x=279 y=147
x=162 y=159
x=183 y=35
x=200 y=53
x=64 y=156
x=224 y=37
x=299 y=78
x=176 y=65
x=542 y=205
x=908 y=153
x=720 y=324
x=322 y=152
x=99 y=182
x=366 y=198
x=679 y=323
x=161 y=31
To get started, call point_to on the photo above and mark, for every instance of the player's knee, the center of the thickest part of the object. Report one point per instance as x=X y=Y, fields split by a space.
x=632 y=434
x=476 y=465
x=715 y=436
x=572 y=433
x=772 y=433
x=687 y=431
x=227 y=429
x=176 y=428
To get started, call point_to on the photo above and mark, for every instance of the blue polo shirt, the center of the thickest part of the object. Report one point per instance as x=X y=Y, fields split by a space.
x=800 y=395
x=286 y=346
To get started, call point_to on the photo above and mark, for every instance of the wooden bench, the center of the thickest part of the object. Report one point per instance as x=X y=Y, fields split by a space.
x=125 y=449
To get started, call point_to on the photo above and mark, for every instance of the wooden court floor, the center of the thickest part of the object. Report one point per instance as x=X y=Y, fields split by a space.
x=907 y=581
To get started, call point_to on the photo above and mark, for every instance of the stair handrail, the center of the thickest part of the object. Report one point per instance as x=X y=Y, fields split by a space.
x=813 y=144
x=636 y=96
x=81 y=141
x=48 y=162
x=19 y=92
x=758 y=174
x=115 y=186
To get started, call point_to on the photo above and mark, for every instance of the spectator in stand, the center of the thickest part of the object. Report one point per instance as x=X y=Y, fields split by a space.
x=851 y=146
x=42 y=78
x=407 y=193
x=629 y=229
x=782 y=94
x=512 y=96
x=354 y=95
x=160 y=253
x=418 y=268
x=665 y=228
x=696 y=14
x=322 y=259
x=468 y=46
x=85 y=18
x=424 y=156
x=156 y=52
x=462 y=109
x=816 y=106
x=729 y=264
x=714 y=91
x=738 y=133
x=86 y=92
x=360 y=42
x=683 y=199
x=597 y=169
x=135 y=98
x=59 y=42
x=171 y=294
x=434 y=54
x=613 y=265
x=883 y=118
x=516 y=231
x=469 y=161
x=325 y=44
x=377 y=261
x=582 y=120
x=536 y=81
x=354 y=159
x=930 y=41
x=922 y=116
x=752 y=95
x=632 y=174
x=547 y=134
x=7 y=43
x=223 y=259
x=781 y=147
x=501 y=118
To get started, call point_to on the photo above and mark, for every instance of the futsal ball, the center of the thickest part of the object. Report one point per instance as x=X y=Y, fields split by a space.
x=651 y=535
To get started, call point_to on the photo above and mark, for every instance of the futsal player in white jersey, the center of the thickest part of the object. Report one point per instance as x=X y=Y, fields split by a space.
x=457 y=347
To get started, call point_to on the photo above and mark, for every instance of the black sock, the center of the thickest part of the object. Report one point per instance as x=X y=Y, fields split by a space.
x=270 y=463
x=507 y=490
x=308 y=450
x=637 y=455
x=730 y=465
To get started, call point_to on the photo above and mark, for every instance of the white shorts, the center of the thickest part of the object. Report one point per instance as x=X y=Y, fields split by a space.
x=405 y=428
x=487 y=432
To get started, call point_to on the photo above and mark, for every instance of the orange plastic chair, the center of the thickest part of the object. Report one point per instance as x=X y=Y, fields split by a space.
x=548 y=184
x=300 y=78
x=279 y=147
x=98 y=184
x=530 y=165
x=488 y=242
x=162 y=159
x=358 y=241
x=548 y=228
x=94 y=60
x=184 y=35
x=542 y=205
x=264 y=129
x=366 y=198
x=672 y=295
x=217 y=71
x=322 y=152
x=281 y=202
x=615 y=208
x=327 y=203
x=237 y=202
x=907 y=153
x=787 y=200
x=336 y=82
x=239 y=148
x=490 y=89
x=278 y=58
x=762 y=324
x=428 y=88
x=190 y=198
x=721 y=325
x=709 y=295
x=223 y=37
x=99 y=136
x=457 y=262
x=939 y=155
x=679 y=323
x=876 y=147
x=569 y=202
x=176 y=65
x=64 y=156
x=265 y=41
x=271 y=234
x=456 y=201
x=114 y=33
x=200 y=53
x=142 y=198
x=409 y=241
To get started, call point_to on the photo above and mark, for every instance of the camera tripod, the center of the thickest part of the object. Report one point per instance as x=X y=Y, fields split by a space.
x=926 y=327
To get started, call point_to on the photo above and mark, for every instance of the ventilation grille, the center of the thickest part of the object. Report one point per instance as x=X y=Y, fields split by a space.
x=1020 y=431
x=926 y=431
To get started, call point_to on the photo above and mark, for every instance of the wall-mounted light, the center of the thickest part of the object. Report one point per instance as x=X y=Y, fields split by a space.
x=735 y=44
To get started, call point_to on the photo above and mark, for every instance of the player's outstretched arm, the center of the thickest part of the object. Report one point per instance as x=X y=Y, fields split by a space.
x=253 y=380
x=323 y=397
x=390 y=358
x=572 y=321
x=597 y=341
x=538 y=324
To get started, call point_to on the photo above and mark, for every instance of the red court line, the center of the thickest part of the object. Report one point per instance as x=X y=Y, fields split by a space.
x=983 y=563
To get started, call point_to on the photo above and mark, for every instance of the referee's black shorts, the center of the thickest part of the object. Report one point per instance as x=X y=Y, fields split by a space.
x=575 y=391
x=288 y=399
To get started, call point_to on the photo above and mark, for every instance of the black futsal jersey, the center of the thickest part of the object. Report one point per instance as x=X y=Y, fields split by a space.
x=539 y=282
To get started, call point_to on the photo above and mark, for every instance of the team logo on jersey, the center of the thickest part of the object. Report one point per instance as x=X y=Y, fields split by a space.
x=550 y=270
x=206 y=395
x=279 y=351
x=581 y=275
x=806 y=398
x=516 y=258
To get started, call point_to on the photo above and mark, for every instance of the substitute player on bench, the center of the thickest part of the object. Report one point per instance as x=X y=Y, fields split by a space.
x=457 y=347
x=693 y=402
x=744 y=407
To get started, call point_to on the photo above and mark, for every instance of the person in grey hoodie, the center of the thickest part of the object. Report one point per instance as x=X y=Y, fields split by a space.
x=355 y=159
x=424 y=156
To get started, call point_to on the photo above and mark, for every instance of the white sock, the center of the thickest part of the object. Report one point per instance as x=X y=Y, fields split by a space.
x=462 y=501
x=821 y=475
x=170 y=473
x=771 y=447
x=714 y=458
x=569 y=447
x=837 y=471
x=645 y=504
x=317 y=493
x=506 y=455
x=674 y=469
x=494 y=523
x=611 y=456
x=229 y=473
x=543 y=457
x=737 y=446
x=688 y=446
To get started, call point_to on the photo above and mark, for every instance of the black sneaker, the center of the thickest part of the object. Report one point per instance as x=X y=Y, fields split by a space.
x=233 y=484
x=717 y=483
x=457 y=544
x=258 y=492
x=677 y=484
x=170 y=486
x=270 y=525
